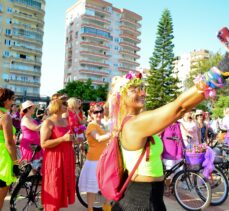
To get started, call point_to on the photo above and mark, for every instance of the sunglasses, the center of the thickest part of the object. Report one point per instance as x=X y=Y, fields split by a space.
x=98 y=111
x=199 y=115
x=65 y=103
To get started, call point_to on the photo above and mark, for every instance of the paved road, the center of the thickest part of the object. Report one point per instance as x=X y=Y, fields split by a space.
x=170 y=202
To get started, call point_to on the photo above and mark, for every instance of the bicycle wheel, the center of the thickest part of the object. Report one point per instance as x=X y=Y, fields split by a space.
x=26 y=195
x=219 y=187
x=82 y=197
x=187 y=185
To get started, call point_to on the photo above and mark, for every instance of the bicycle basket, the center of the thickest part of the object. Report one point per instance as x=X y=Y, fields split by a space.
x=194 y=159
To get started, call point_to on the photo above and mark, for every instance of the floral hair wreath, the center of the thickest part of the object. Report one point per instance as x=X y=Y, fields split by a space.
x=129 y=80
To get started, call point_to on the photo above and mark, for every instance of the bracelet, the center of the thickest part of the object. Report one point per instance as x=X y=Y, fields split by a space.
x=209 y=81
x=16 y=162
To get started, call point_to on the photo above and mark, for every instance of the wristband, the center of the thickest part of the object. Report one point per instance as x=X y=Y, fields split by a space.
x=16 y=162
x=209 y=81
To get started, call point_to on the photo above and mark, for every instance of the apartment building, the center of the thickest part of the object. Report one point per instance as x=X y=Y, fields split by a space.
x=21 y=40
x=101 y=41
x=188 y=62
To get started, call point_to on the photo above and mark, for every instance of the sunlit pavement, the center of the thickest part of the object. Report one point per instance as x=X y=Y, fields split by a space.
x=170 y=203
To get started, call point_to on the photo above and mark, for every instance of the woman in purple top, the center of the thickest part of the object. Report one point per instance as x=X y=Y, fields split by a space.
x=15 y=115
x=30 y=132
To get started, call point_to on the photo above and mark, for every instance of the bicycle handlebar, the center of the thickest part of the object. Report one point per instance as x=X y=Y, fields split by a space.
x=174 y=138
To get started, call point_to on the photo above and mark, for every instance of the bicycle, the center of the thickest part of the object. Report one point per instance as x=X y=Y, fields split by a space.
x=192 y=191
x=26 y=192
x=219 y=177
x=222 y=157
x=80 y=152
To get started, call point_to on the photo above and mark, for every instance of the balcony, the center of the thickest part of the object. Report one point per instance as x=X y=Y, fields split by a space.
x=29 y=18
x=25 y=72
x=130 y=30
x=97 y=37
x=96 y=18
x=30 y=94
x=91 y=25
x=130 y=21
x=97 y=64
x=98 y=9
x=26 y=50
x=126 y=61
x=94 y=81
x=33 y=29
x=125 y=69
x=94 y=72
x=27 y=39
x=130 y=37
x=27 y=7
x=26 y=61
x=95 y=45
x=94 y=54
x=129 y=53
x=25 y=83
x=129 y=45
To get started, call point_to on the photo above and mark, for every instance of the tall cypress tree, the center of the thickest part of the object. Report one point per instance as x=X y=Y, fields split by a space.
x=162 y=80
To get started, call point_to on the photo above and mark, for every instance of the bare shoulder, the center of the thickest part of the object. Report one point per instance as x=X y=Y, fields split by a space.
x=5 y=118
x=48 y=123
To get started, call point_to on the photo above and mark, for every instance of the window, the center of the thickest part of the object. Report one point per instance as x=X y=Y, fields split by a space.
x=8 y=21
x=1 y=8
x=9 y=10
x=7 y=42
x=31 y=3
x=6 y=53
x=89 y=30
x=8 y=32
x=90 y=12
x=116 y=39
x=116 y=48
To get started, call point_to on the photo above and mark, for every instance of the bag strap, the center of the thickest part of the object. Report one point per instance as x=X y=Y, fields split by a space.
x=123 y=123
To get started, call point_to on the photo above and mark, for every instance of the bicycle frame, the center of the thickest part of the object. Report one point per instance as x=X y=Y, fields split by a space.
x=31 y=189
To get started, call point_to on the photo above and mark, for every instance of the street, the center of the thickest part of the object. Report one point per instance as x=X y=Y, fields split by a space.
x=170 y=203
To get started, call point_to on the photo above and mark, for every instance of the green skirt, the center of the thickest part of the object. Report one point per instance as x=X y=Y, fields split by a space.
x=6 y=166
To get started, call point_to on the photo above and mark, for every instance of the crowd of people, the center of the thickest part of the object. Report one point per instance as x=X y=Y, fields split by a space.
x=62 y=124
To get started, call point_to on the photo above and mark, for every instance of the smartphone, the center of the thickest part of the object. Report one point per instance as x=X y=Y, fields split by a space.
x=223 y=35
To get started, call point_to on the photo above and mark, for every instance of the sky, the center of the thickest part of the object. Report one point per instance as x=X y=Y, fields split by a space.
x=195 y=26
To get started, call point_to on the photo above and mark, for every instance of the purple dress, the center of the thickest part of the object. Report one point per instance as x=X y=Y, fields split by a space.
x=29 y=137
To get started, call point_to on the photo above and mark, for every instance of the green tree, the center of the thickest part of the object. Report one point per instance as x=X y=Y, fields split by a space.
x=222 y=102
x=162 y=80
x=85 y=90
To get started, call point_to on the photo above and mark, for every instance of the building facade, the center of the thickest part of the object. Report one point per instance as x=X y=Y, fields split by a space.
x=101 y=41
x=21 y=40
x=188 y=62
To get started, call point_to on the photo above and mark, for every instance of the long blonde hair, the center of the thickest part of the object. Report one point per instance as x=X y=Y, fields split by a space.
x=116 y=97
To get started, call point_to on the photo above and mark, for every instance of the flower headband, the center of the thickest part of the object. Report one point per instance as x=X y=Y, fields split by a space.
x=121 y=84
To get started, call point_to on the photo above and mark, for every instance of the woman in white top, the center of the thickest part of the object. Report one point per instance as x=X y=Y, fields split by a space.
x=189 y=130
